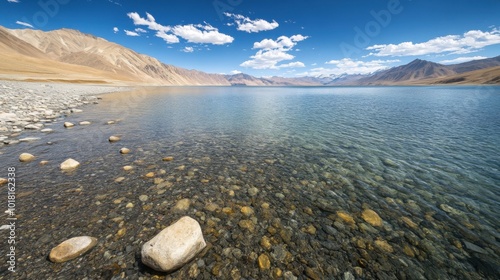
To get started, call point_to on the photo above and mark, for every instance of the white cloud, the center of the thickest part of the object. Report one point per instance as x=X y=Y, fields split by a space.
x=248 y=25
x=298 y=38
x=282 y=43
x=13 y=1
x=461 y=59
x=470 y=41
x=140 y=30
x=188 y=50
x=149 y=21
x=234 y=72
x=272 y=52
x=131 y=33
x=200 y=33
x=295 y=64
x=24 y=23
x=210 y=35
x=169 y=38
x=115 y=29
x=349 y=67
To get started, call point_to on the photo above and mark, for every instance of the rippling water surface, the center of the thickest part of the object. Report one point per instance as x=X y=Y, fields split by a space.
x=425 y=159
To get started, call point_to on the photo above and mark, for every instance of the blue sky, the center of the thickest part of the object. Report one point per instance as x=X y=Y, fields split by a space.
x=277 y=37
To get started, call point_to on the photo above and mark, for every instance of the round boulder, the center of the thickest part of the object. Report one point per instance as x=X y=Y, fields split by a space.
x=69 y=164
x=25 y=157
x=114 y=139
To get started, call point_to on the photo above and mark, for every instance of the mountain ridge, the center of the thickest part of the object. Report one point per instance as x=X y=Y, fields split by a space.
x=72 y=52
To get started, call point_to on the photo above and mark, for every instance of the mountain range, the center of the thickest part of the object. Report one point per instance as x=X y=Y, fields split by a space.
x=67 y=55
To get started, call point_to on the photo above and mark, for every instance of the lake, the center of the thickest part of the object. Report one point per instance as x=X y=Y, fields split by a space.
x=387 y=182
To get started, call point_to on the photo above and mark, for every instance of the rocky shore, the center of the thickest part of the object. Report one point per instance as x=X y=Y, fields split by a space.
x=30 y=106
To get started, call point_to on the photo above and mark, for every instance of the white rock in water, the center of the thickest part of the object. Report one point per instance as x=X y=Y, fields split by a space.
x=34 y=126
x=68 y=124
x=124 y=151
x=85 y=123
x=69 y=164
x=25 y=157
x=29 y=139
x=174 y=246
x=72 y=248
x=114 y=139
x=47 y=130
x=76 y=110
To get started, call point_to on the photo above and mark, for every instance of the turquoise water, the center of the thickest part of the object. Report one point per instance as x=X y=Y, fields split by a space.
x=429 y=154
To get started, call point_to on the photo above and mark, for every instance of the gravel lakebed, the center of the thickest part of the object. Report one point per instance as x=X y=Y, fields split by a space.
x=275 y=211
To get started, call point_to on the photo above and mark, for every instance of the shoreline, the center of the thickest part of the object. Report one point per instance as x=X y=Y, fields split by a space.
x=29 y=106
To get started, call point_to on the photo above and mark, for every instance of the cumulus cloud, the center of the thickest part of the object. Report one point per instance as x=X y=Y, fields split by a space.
x=140 y=30
x=296 y=64
x=461 y=59
x=349 y=67
x=169 y=38
x=188 y=50
x=282 y=43
x=131 y=33
x=272 y=52
x=248 y=25
x=115 y=29
x=199 y=33
x=149 y=21
x=24 y=23
x=470 y=41
x=234 y=72
x=13 y=1
x=209 y=35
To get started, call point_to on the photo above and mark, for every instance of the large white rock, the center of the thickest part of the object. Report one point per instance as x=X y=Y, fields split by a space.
x=174 y=246
x=72 y=248
x=69 y=164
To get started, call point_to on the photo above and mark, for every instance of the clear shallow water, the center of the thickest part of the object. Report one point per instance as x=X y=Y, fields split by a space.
x=430 y=155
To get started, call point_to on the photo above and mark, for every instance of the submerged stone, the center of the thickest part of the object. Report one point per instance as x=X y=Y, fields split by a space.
x=264 y=262
x=371 y=217
x=345 y=217
x=174 y=246
x=72 y=248
x=69 y=164
x=182 y=205
x=26 y=157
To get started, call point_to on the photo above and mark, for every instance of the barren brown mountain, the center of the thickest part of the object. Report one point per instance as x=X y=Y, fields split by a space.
x=110 y=61
x=68 y=55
